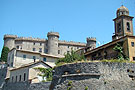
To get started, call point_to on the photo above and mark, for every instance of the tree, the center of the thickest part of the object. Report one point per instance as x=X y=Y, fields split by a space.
x=71 y=57
x=45 y=72
x=119 y=49
x=4 y=54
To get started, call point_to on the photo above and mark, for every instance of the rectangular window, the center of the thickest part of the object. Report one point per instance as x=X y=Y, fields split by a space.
x=17 y=47
x=40 y=44
x=58 y=51
x=24 y=76
x=40 y=49
x=46 y=50
x=34 y=43
x=24 y=57
x=67 y=51
x=34 y=58
x=20 y=78
x=132 y=44
x=44 y=59
x=68 y=46
x=34 y=49
x=133 y=58
x=12 y=78
x=11 y=64
x=16 y=78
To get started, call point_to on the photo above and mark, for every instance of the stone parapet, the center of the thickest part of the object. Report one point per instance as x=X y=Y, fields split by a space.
x=30 y=39
x=91 y=39
x=71 y=43
x=10 y=36
x=53 y=34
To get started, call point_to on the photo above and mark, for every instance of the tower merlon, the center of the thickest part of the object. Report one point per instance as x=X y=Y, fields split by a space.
x=9 y=36
x=53 y=34
x=91 y=39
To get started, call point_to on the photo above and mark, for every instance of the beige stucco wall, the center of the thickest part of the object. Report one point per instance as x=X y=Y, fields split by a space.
x=16 y=57
x=33 y=74
x=131 y=49
x=17 y=73
x=19 y=60
x=11 y=57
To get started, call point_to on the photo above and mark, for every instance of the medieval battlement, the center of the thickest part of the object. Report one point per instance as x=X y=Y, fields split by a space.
x=23 y=38
x=10 y=36
x=30 y=39
x=91 y=39
x=53 y=34
x=71 y=43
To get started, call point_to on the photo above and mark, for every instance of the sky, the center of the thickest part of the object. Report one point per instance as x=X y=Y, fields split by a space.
x=75 y=20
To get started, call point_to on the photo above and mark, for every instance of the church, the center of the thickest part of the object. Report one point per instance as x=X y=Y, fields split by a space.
x=123 y=36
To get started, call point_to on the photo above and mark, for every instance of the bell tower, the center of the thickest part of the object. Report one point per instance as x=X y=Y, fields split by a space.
x=123 y=23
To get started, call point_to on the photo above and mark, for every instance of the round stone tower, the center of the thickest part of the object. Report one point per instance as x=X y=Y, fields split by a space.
x=9 y=41
x=53 y=38
x=91 y=43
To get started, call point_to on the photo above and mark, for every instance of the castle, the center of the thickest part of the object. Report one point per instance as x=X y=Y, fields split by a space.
x=52 y=45
x=28 y=53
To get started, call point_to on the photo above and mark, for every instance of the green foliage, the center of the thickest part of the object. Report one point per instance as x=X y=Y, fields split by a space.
x=70 y=57
x=86 y=88
x=118 y=61
x=69 y=88
x=119 y=49
x=4 y=54
x=45 y=72
x=69 y=85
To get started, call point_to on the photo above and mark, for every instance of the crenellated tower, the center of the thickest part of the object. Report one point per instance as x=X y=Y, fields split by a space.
x=123 y=23
x=53 y=38
x=9 y=41
x=91 y=43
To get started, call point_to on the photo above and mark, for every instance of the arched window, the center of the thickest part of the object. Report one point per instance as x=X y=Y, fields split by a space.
x=128 y=26
x=119 y=27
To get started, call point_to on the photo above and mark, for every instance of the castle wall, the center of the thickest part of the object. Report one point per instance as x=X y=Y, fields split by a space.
x=51 y=46
x=10 y=43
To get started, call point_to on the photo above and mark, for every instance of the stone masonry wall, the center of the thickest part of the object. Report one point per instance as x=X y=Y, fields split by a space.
x=27 y=86
x=94 y=76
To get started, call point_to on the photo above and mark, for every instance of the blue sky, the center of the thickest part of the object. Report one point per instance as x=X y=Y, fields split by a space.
x=73 y=19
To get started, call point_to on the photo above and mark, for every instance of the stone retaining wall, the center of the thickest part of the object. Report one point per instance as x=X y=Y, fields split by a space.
x=94 y=76
x=27 y=86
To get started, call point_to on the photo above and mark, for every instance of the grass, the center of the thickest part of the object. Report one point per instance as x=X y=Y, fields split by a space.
x=105 y=60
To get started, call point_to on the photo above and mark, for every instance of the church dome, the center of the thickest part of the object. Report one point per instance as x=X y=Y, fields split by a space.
x=122 y=11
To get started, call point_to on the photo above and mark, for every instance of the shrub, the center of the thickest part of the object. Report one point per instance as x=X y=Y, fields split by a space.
x=86 y=88
x=45 y=72
x=70 y=57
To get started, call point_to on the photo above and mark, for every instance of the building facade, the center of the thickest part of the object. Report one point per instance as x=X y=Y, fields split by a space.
x=27 y=72
x=52 y=45
x=123 y=35
x=17 y=58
